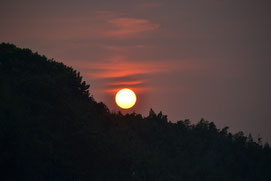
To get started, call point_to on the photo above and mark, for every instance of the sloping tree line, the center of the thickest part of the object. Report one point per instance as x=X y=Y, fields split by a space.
x=52 y=129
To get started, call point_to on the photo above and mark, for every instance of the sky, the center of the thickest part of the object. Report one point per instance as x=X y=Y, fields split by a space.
x=190 y=59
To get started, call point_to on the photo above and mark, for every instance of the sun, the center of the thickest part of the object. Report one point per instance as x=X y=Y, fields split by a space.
x=125 y=98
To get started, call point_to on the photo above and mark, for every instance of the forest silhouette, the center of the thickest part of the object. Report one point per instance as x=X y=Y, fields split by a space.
x=52 y=129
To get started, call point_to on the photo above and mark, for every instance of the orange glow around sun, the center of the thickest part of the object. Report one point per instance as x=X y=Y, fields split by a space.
x=125 y=98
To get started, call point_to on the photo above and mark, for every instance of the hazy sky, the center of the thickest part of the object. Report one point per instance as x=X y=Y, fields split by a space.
x=190 y=59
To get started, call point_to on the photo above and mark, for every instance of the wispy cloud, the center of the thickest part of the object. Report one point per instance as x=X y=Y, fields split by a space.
x=129 y=27
x=124 y=83
x=119 y=66
x=121 y=48
x=118 y=71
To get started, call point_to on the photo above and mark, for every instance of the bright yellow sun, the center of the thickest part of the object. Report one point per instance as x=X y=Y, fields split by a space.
x=125 y=98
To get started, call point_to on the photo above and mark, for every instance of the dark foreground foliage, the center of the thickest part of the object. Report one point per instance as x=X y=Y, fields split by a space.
x=51 y=129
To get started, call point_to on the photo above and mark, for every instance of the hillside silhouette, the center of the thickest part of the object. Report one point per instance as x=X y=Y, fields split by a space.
x=52 y=129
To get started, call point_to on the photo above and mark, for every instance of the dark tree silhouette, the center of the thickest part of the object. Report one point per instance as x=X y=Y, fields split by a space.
x=52 y=129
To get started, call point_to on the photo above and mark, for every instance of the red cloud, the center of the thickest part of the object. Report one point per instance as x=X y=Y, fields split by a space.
x=119 y=66
x=119 y=72
x=124 y=48
x=123 y=83
x=127 y=27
